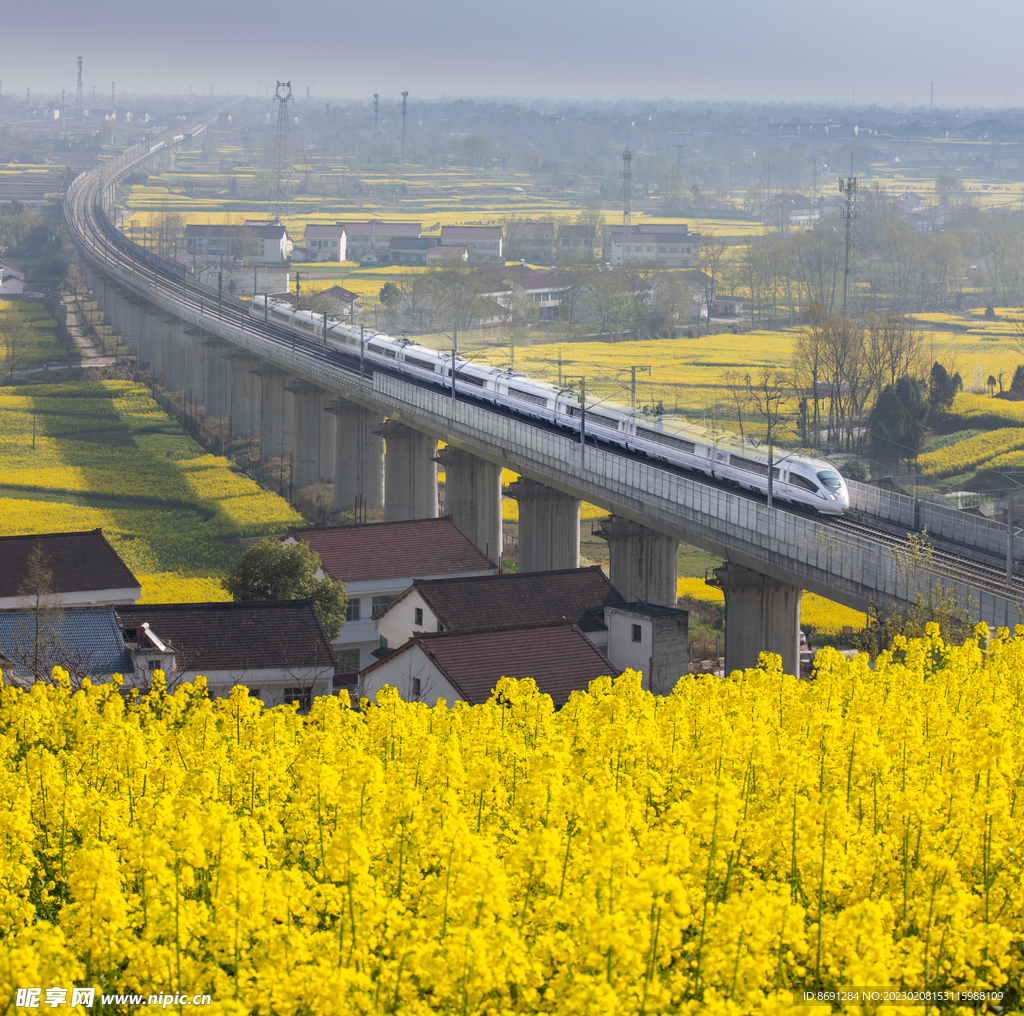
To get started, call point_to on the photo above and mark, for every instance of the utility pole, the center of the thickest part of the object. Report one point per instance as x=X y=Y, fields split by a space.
x=376 y=118
x=80 y=99
x=113 y=94
x=581 y=398
x=405 y=109
x=632 y=381
x=627 y=190
x=849 y=211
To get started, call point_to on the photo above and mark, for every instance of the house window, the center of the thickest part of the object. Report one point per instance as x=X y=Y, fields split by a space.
x=638 y=634
x=383 y=642
x=300 y=695
x=419 y=616
x=346 y=661
x=416 y=687
x=352 y=611
x=154 y=664
x=381 y=601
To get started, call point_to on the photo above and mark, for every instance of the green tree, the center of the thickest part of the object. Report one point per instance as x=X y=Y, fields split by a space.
x=897 y=422
x=1017 y=384
x=942 y=388
x=272 y=570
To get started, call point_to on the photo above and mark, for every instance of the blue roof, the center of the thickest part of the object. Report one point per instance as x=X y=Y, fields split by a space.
x=88 y=642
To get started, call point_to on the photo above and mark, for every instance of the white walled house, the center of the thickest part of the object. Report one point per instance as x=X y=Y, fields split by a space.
x=276 y=648
x=86 y=570
x=326 y=243
x=465 y=666
x=651 y=639
x=666 y=246
x=375 y=234
x=482 y=242
x=465 y=603
x=12 y=280
x=379 y=561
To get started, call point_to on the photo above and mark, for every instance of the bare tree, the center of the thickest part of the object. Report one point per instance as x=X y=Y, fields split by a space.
x=14 y=336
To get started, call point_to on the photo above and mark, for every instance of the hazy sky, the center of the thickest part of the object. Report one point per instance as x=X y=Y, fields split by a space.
x=888 y=50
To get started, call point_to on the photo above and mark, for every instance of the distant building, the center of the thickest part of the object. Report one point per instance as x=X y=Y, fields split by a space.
x=12 y=280
x=326 y=243
x=438 y=255
x=651 y=639
x=783 y=211
x=667 y=246
x=576 y=241
x=376 y=234
x=264 y=242
x=530 y=241
x=544 y=289
x=410 y=250
x=86 y=569
x=482 y=242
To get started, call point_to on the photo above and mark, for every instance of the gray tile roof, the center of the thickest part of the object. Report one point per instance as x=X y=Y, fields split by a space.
x=85 y=642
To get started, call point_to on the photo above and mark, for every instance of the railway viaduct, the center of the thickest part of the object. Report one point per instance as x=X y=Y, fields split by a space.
x=376 y=435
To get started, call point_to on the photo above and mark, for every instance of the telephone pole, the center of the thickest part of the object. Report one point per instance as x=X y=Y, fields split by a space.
x=80 y=100
x=849 y=212
x=376 y=118
x=405 y=109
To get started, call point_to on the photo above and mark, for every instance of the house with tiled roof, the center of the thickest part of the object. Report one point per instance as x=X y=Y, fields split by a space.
x=410 y=250
x=482 y=242
x=664 y=245
x=12 y=280
x=86 y=569
x=276 y=648
x=326 y=243
x=575 y=595
x=465 y=666
x=378 y=561
x=375 y=234
x=86 y=643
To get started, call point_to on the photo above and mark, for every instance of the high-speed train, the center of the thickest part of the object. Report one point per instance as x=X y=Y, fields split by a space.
x=796 y=479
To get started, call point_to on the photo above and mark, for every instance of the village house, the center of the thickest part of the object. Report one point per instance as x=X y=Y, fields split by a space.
x=245 y=281
x=519 y=282
x=576 y=241
x=326 y=243
x=465 y=666
x=375 y=234
x=266 y=242
x=377 y=562
x=578 y=595
x=12 y=280
x=86 y=569
x=276 y=648
x=482 y=242
x=530 y=241
x=410 y=250
x=437 y=255
x=667 y=246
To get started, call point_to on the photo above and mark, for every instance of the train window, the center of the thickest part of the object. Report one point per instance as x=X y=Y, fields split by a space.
x=537 y=400
x=801 y=481
x=422 y=364
x=761 y=468
x=831 y=479
x=602 y=421
x=666 y=439
x=469 y=379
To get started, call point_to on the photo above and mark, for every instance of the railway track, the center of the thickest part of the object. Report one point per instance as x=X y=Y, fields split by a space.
x=94 y=233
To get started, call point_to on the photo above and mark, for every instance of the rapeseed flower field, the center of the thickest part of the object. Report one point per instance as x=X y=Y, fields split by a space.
x=723 y=849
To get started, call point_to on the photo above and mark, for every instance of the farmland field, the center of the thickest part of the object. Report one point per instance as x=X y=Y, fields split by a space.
x=105 y=455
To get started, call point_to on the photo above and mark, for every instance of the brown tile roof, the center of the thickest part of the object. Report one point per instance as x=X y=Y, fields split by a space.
x=81 y=562
x=236 y=636
x=390 y=550
x=576 y=595
x=559 y=657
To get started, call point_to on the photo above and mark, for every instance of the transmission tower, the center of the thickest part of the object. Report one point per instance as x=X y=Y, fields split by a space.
x=849 y=211
x=113 y=94
x=627 y=192
x=282 y=169
x=405 y=109
x=376 y=118
x=80 y=100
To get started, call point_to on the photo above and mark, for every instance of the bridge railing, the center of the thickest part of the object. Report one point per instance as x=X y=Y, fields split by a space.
x=944 y=521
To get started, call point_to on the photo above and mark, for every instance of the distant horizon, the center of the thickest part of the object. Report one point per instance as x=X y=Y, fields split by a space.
x=655 y=50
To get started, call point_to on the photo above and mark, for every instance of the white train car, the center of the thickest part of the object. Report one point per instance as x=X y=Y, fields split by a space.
x=797 y=479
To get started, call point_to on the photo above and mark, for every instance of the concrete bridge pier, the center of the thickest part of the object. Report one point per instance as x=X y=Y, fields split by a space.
x=244 y=388
x=216 y=377
x=410 y=473
x=359 y=456
x=549 y=527
x=277 y=414
x=175 y=355
x=472 y=494
x=314 y=435
x=641 y=562
x=195 y=364
x=761 y=615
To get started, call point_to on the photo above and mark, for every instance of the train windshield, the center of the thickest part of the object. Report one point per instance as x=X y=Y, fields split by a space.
x=831 y=479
